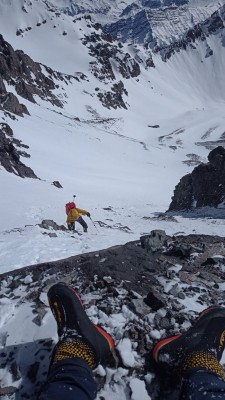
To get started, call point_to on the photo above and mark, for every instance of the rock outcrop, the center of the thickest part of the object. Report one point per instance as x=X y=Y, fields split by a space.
x=139 y=23
x=110 y=59
x=204 y=187
x=109 y=56
x=9 y=102
x=114 y=98
x=27 y=77
x=198 y=32
x=10 y=155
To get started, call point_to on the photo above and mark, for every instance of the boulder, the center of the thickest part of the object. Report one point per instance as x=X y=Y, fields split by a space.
x=155 y=241
x=50 y=224
x=155 y=300
x=57 y=184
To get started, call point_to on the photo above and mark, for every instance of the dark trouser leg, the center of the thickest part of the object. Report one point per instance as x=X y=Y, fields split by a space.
x=83 y=223
x=71 y=226
x=203 y=385
x=69 y=380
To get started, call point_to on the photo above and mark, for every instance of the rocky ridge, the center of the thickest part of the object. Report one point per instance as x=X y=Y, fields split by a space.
x=148 y=25
x=214 y=24
x=166 y=275
x=142 y=28
x=29 y=79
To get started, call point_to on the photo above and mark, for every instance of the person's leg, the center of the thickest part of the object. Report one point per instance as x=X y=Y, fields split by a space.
x=203 y=385
x=70 y=379
x=83 y=223
x=81 y=347
x=195 y=356
x=69 y=227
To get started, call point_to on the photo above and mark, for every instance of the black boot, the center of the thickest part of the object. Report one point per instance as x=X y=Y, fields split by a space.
x=201 y=347
x=78 y=336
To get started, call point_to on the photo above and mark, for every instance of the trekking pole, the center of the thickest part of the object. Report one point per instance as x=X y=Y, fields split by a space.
x=94 y=224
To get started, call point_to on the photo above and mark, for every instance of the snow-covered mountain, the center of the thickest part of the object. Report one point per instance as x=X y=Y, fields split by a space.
x=161 y=25
x=116 y=120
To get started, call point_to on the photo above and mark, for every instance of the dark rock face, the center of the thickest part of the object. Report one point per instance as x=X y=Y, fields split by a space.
x=129 y=67
x=204 y=186
x=135 y=28
x=176 y=2
x=114 y=98
x=2 y=86
x=214 y=23
x=9 y=102
x=151 y=3
x=104 y=48
x=10 y=155
x=164 y=3
x=189 y=38
x=128 y=9
x=108 y=57
x=20 y=71
x=183 y=194
x=200 y=31
x=57 y=184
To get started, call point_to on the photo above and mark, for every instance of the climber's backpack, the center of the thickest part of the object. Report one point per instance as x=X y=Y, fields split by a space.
x=70 y=206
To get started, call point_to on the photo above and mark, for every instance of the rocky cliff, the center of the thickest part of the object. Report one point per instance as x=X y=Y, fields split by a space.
x=27 y=78
x=152 y=27
x=11 y=152
x=204 y=187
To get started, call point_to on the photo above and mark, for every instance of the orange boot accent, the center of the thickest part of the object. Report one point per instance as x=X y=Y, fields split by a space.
x=161 y=344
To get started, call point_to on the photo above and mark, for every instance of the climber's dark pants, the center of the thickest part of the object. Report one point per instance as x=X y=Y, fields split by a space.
x=70 y=380
x=81 y=221
x=73 y=380
x=203 y=385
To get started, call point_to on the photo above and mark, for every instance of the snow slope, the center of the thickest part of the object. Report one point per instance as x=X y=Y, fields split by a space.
x=103 y=169
x=40 y=19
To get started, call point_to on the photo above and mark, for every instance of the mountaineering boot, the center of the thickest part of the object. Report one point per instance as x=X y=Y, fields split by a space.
x=78 y=336
x=201 y=347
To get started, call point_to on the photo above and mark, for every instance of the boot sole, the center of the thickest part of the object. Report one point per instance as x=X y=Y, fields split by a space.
x=70 y=315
